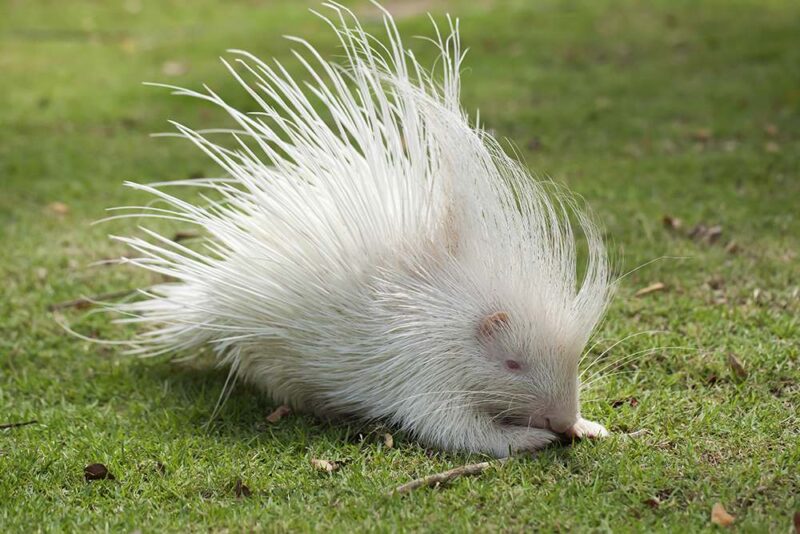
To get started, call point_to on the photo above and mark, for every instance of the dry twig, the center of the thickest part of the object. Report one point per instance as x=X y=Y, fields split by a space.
x=15 y=425
x=446 y=476
x=652 y=288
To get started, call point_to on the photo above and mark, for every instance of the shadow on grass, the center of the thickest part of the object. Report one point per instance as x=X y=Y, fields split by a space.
x=195 y=386
x=192 y=388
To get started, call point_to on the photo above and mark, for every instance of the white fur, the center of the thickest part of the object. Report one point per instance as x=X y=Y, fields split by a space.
x=350 y=258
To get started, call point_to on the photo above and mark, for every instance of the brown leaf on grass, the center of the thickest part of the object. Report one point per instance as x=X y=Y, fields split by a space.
x=707 y=234
x=279 y=413
x=324 y=465
x=702 y=135
x=240 y=490
x=671 y=223
x=58 y=208
x=652 y=502
x=732 y=247
x=797 y=522
x=736 y=366
x=652 y=288
x=720 y=516
x=770 y=129
x=632 y=401
x=388 y=441
x=97 y=472
x=716 y=282
x=713 y=234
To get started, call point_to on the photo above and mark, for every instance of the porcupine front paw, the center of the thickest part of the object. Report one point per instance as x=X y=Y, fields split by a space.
x=515 y=439
x=586 y=429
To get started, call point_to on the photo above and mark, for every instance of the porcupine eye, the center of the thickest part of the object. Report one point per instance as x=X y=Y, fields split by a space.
x=513 y=365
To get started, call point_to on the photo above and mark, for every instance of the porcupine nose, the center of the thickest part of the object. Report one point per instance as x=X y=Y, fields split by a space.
x=560 y=424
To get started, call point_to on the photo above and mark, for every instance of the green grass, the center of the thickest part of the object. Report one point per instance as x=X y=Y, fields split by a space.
x=690 y=109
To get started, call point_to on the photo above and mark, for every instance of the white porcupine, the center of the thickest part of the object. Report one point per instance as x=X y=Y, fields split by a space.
x=388 y=261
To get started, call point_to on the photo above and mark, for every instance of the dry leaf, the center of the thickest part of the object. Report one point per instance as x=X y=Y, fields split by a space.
x=716 y=282
x=279 y=413
x=174 y=68
x=770 y=129
x=671 y=223
x=652 y=288
x=698 y=231
x=732 y=247
x=324 y=465
x=388 y=440
x=240 y=490
x=652 y=502
x=720 y=516
x=709 y=234
x=702 y=134
x=736 y=366
x=58 y=208
x=97 y=472
x=712 y=234
x=632 y=401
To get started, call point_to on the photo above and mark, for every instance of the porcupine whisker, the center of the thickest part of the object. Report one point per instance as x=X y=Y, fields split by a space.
x=626 y=358
x=601 y=340
x=601 y=373
x=626 y=338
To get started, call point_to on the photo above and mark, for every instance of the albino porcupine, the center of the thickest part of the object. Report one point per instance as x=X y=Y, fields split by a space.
x=371 y=253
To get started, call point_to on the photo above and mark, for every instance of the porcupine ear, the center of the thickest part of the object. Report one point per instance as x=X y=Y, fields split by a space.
x=492 y=323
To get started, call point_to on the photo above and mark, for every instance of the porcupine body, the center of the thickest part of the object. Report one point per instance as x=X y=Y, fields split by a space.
x=380 y=258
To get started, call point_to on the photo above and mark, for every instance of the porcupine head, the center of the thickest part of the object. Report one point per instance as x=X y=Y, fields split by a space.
x=369 y=252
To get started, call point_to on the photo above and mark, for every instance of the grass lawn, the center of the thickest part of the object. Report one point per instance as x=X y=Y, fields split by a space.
x=647 y=109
